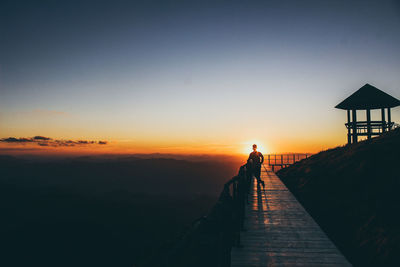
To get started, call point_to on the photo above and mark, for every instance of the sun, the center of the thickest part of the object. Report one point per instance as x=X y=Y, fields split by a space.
x=248 y=147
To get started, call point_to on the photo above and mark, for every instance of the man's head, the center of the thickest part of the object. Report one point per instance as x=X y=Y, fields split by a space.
x=254 y=147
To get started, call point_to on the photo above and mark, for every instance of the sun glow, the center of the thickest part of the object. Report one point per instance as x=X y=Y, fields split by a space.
x=248 y=147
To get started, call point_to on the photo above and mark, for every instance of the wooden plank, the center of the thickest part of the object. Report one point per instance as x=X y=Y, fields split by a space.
x=280 y=232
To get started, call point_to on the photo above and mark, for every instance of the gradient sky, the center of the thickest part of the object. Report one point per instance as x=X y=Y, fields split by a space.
x=193 y=76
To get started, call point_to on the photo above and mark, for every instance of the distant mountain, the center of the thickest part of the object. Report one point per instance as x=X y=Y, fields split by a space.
x=101 y=211
x=6 y=159
x=353 y=192
x=131 y=174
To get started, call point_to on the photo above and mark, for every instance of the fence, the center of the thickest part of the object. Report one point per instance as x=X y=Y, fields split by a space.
x=279 y=161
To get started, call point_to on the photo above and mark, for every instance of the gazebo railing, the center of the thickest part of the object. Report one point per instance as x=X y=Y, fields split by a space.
x=375 y=126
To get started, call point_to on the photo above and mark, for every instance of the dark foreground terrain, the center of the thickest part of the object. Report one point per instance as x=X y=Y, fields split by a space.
x=100 y=211
x=353 y=194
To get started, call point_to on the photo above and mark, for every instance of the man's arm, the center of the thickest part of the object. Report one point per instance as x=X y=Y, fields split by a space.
x=262 y=158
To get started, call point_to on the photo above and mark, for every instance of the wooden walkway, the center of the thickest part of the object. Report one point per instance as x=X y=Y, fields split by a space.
x=279 y=232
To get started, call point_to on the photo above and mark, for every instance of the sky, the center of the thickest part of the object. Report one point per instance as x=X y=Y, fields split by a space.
x=191 y=76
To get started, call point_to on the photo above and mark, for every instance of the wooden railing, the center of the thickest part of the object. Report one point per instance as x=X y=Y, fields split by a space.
x=279 y=161
x=376 y=127
x=211 y=238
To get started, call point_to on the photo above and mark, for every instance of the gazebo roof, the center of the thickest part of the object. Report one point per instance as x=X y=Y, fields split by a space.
x=368 y=97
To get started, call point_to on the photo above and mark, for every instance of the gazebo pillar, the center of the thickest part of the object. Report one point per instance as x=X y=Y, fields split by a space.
x=354 y=124
x=348 y=127
x=383 y=120
x=368 y=123
x=389 y=120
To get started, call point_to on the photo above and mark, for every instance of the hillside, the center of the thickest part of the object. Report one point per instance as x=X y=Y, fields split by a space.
x=353 y=194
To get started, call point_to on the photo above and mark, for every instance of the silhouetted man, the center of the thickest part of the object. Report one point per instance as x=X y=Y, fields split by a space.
x=256 y=158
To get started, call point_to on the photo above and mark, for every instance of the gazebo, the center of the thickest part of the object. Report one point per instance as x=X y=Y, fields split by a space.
x=367 y=98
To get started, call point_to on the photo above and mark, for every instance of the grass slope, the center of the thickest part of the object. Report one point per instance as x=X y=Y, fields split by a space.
x=353 y=194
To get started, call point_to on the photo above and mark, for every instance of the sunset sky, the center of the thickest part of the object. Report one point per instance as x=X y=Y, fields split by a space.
x=191 y=76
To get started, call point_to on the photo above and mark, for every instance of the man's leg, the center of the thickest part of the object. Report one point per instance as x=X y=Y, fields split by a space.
x=258 y=176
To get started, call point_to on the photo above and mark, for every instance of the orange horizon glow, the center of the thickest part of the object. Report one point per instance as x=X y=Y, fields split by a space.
x=181 y=148
x=224 y=135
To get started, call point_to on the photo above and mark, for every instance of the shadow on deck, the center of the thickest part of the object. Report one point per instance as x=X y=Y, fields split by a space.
x=279 y=232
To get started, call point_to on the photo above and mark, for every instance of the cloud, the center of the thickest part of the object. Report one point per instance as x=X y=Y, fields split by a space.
x=41 y=138
x=43 y=144
x=16 y=140
x=47 y=141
